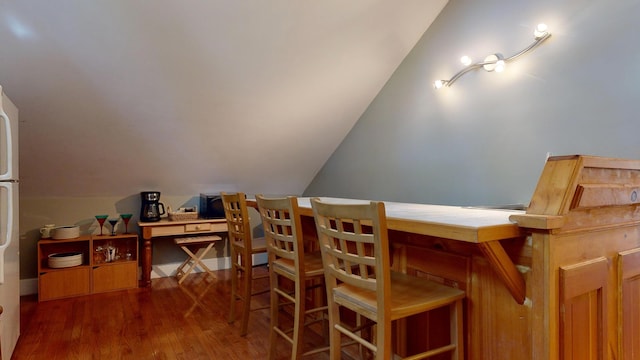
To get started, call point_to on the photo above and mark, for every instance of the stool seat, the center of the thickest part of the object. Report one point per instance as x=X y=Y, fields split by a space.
x=312 y=265
x=196 y=248
x=197 y=239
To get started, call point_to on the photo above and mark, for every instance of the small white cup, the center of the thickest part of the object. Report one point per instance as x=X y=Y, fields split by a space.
x=46 y=231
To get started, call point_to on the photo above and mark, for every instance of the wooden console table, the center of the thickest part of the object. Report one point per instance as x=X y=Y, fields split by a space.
x=166 y=228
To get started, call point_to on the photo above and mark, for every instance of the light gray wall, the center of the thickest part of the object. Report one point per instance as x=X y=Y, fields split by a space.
x=484 y=140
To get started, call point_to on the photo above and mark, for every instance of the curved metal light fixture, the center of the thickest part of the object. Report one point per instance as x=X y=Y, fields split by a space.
x=495 y=62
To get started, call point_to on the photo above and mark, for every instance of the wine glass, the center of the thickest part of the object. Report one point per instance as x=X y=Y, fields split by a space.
x=125 y=219
x=113 y=223
x=101 y=219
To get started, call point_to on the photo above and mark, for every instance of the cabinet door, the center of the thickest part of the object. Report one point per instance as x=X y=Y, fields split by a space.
x=63 y=283
x=629 y=290
x=117 y=276
x=583 y=310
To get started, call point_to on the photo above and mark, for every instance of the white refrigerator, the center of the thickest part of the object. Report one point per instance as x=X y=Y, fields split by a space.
x=9 y=233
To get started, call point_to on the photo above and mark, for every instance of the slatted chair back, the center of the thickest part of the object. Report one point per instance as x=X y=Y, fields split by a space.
x=355 y=249
x=282 y=229
x=237 y=216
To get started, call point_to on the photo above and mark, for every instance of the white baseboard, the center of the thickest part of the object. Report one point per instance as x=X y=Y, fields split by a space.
x=164 y=270
x=221 y=263
x=30 y=286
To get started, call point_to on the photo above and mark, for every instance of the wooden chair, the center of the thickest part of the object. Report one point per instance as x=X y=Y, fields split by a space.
x=243 y=247
x=287 y=259
x=196 y=248
x=355 y=236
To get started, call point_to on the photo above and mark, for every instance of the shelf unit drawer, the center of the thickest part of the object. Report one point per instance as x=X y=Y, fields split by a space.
x=56 y=284
x=115 y=276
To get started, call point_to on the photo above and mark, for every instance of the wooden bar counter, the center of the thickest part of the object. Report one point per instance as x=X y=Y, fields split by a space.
x=559 y=281
x=467 y=248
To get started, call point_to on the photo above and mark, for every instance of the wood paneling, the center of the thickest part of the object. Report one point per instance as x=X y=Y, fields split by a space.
x=597 y=195
x=108 y=277
x=629 y=311
x=583 y=214
x=583 y=310
x=64 y=283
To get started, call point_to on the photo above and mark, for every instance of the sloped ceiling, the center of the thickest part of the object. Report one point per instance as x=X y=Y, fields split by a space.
x=183 y=97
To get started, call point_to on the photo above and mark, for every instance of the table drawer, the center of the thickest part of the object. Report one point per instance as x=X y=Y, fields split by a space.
x=219 y=227
x=179 y=229
x=208 y=227
x=197 y=227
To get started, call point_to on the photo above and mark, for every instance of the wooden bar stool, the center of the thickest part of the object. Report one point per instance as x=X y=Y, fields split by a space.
x=196 y=248
x=243 y=247
x=346 y=233
x=287 y=259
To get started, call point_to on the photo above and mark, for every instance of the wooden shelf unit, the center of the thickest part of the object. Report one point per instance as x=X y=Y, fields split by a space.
x=94 y=275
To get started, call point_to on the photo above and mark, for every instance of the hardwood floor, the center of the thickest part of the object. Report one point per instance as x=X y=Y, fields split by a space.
x=167 y=321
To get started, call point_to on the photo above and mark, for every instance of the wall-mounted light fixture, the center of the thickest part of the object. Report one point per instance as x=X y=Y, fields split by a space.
x=495 y=62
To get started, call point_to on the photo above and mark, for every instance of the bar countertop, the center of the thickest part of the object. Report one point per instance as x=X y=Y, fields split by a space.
x=470 y=224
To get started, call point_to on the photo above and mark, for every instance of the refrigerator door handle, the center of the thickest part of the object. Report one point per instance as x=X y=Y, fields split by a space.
x=7 y=141
x=9 y=230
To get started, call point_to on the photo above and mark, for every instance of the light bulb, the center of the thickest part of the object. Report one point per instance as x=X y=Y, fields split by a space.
x=492 y=62
x=540 y=31
x=438 y=84
x=499 y=66
x=465 y=60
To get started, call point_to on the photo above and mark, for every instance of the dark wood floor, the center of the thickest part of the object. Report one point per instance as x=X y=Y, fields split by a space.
x=167 y=321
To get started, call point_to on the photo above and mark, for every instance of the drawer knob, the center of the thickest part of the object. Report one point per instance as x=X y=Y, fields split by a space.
x=197 y=227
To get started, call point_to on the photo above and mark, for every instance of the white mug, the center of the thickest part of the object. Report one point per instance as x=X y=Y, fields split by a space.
x=46 y=231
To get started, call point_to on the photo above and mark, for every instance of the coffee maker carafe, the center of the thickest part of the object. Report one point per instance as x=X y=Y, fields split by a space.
x=151 y=208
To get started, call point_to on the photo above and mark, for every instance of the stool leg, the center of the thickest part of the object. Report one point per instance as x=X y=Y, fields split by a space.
x=191 y=263
x=299 y=318
x=195 y=259
x=180 y=271
x=248 y=281
x=234 y=283
x=199 y=255
x=184 y=263
x=456 y=326
x=334 y=335
x=275 y=312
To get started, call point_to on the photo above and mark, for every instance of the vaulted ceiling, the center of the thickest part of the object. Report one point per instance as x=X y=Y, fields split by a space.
x=183 y=97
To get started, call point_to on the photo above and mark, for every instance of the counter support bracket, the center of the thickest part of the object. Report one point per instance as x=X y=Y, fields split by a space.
x=505 y=269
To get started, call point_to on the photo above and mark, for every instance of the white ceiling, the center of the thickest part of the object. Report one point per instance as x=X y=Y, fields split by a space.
x=183 y=97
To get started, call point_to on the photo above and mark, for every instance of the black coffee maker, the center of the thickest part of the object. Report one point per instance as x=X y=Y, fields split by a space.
x=151 y=208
